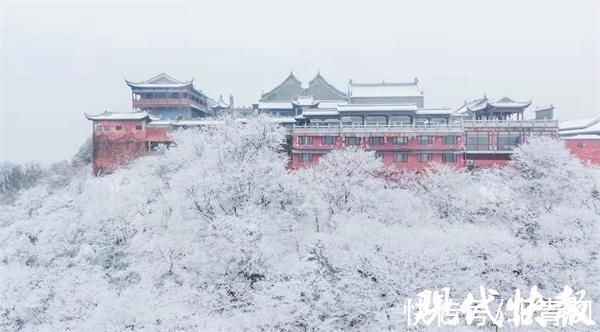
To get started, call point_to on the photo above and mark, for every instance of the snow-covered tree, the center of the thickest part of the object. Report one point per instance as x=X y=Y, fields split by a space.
x=215 y=233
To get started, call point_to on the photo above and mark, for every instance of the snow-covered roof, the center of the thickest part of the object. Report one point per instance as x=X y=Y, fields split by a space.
x=281 y=105
x=323 y=104
x=283 y=119
x=221 y=104
x=485 y=103
x=592 y=128
x=582 y=137
x=434 y=111
x=160 y=81
x=384 y=89
x=376 y=107
x=578 y=123
x=319 y=112
x=118 y=116
x=544 y=108
x=321 y=89
x=289 y=88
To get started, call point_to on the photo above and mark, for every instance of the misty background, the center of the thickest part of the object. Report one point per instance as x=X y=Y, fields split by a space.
x=59 y=60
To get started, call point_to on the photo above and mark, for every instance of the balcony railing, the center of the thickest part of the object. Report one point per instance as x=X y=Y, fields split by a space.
x=510 y=123
x=332 y=128
x=162 y=102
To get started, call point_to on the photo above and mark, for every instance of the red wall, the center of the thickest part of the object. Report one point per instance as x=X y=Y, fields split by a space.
x=113 y=148
x=388 y=149
x=158 y=134
x=588 y=150
x=438 y=143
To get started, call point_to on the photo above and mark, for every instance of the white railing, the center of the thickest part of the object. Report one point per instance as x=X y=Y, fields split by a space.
x=511 y=123
x=358 y=127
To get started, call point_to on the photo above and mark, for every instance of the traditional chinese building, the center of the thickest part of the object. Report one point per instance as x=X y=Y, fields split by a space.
x=494 y=127
x=167 y=98
x=390 y=118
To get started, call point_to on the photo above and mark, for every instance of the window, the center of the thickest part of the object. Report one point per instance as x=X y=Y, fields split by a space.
x=401 y=157
x=138 y=127
x=449 y=158
x=379 y=155
x=354 y=119
x=450 y=139
x=543 y=133
x=508 y=140
x=99 y=128
x=376 y=120
x=305 y=140
x=328 y=140
x=425 y=140
x=352 y=140
x=478 y=141
x=424 y=157
x=439 y=121
x=580 y=145
x=175 y=95
x=305 y=157
x=400 y=140
x=400 y=119
x=119 y=127
x=376 y=140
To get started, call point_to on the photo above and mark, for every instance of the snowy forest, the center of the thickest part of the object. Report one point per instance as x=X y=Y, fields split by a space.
x=216 y=233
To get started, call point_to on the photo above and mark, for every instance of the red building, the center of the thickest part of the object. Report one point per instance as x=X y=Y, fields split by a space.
x=167 y=98
x=392 y=120
x=159 y=104
x=582 y=138
x=388 y=118
x=117 y=139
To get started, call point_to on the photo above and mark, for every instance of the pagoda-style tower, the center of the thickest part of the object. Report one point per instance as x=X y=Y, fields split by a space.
x=167 y=98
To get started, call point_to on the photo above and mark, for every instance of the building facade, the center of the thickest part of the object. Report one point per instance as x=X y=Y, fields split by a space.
x=582 y=138
x=390 y=118
x=167 y=98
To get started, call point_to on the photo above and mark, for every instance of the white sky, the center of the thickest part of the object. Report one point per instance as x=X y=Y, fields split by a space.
x=59 y=60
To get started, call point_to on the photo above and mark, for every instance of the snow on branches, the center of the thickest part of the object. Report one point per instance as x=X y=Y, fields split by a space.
x=215 y=233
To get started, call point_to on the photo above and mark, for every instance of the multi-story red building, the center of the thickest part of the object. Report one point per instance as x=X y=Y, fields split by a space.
x=167 y=98
x=388 y=118
x=392 y=120
x=159 y=104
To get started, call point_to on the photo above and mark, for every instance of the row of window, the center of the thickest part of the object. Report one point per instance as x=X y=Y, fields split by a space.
x=107 y=128
x=398 y=157
x=394 y=119
x=480 y=141
x=378 y=140
x=172 y=95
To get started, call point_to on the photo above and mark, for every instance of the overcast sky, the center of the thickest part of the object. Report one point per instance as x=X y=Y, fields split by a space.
x=59 y=60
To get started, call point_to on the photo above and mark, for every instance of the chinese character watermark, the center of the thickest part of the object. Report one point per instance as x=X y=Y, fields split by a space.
x=567 y=308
